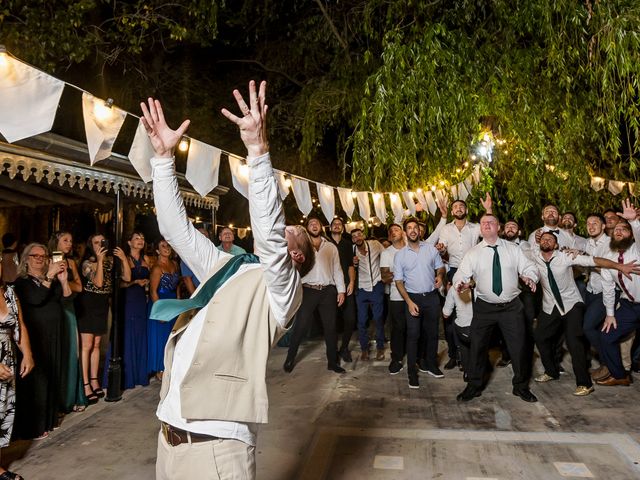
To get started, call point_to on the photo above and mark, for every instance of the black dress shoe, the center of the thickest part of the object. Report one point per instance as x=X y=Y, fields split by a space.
x=451 y=364
x=469 y=393
x=346 y=356
x=336 y=368
x=288 y=366
x=525 y=394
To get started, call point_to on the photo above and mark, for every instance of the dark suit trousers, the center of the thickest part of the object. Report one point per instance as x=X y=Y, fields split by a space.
x=425 y=325
x=398 y=329
x=325 y=302
x=550 y=328
x=509 y=317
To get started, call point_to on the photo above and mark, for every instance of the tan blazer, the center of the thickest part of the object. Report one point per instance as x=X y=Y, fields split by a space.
x=226 y=380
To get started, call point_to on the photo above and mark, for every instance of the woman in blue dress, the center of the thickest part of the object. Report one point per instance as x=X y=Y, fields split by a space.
x=134 y=360
x=165 y=277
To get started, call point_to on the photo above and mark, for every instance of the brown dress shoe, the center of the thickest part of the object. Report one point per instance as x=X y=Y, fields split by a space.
x=614 y=382
x=364 y=355
x=380 y=354
x=600 y=373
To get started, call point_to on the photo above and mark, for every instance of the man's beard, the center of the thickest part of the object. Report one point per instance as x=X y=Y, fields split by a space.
x=511 y=236
x=568 y=225
x=414 y=238
x=314 y=235
x=621 y=245
x=547 y=248
x=551 y=221
x=460 y=216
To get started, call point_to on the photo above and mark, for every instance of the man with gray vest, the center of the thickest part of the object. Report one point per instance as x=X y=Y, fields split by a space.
x=213 y=392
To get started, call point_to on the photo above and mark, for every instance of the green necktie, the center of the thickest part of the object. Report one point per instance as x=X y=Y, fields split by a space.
x=497 y=271
x=165 y=310
x=554 y=286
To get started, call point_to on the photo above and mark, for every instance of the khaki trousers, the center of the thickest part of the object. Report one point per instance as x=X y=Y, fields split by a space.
x=223 y=459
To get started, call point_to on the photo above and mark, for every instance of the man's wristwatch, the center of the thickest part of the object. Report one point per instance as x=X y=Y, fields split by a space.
x=46 y=277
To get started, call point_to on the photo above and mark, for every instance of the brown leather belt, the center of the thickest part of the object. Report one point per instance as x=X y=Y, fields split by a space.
x=315 y=287
x=175 y=436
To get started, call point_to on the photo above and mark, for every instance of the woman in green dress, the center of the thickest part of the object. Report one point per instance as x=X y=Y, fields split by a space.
x=72 y=394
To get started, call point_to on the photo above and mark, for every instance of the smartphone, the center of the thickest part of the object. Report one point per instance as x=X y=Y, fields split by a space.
x=104 y=243
x=57 y=257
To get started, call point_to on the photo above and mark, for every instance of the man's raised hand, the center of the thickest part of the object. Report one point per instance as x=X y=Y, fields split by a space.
x=253 y=123
x=163 y=139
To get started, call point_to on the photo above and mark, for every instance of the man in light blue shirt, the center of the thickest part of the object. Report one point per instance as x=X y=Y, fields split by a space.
x=227 y=237
x=419 y=272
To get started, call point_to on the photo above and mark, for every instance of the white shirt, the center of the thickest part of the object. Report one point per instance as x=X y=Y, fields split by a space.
x=597 y=248
x=610 y=277
x=368 y=268
x=386 y=261
x=326 y=270
x=562 y=269
x=564 y=239
x=478 y=264
x=462 y=302
x=201 y=255
x=578 y=242
x=458 y=242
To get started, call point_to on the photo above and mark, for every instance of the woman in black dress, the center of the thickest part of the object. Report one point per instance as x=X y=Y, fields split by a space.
x=92 y=308
x=41 y=286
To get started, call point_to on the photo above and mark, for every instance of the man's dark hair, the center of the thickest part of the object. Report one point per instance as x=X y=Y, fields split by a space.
x=459 y=201
x=612 y=210
x=575 y=219
x=337 y=219
x=408 y=221
x=394 y=225
x=512 y=220
x=8 y=239
x=356 y=230
x=597 y=215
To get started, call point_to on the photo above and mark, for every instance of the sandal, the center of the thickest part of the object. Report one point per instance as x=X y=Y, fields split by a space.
x=77 y=409
x=92 y=398
x=41 y=437
x=97 y=391
x=7 y=475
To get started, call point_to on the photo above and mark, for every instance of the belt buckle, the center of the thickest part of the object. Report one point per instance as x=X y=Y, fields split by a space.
x=169 y=435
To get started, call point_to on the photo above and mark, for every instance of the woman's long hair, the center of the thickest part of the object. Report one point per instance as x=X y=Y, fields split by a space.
x=23 y=268
x=55 y=238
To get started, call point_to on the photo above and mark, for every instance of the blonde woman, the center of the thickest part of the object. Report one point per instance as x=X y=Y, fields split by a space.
x=41 y=286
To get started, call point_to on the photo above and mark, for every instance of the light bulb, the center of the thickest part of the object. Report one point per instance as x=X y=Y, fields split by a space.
x=433 y=188
x=287 y=182
x=354 y=194
x=376 y=196
x=183 y=146
x=244 y=170
x=231 y=225
x=101 y=110
x=4 y=61
x=442 y=183
x=486 y=137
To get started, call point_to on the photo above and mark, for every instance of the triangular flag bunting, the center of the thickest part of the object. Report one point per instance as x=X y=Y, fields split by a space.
x=346 y=199
x=302 y=194
x=203 y=165
x=327 y=200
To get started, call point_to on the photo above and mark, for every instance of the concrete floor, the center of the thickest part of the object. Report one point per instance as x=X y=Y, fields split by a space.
x=367 y=424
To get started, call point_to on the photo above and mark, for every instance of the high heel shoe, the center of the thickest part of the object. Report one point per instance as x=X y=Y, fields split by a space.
x=92 y=398
x=98 y=391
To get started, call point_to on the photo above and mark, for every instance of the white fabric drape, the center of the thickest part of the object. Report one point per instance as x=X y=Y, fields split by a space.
x=463 y=193
x=101 y=130
x=242 y=232
x=302 y=194
x=363 y=205
x=597 y=183
x=632 y=188
x=408 y=201
x=380 y=207
x=422 y=200
x=476 y=174
x=141 y=152
x=327 y=200
x=28 y=100
x=282 y=183
x=454 y=192
x=346 y=200
x=431 y=203
x=396 y=207
x=203 y=166
x=239 y=175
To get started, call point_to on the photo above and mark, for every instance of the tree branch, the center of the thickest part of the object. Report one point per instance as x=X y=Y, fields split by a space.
x=334 y=29
x=266 y=69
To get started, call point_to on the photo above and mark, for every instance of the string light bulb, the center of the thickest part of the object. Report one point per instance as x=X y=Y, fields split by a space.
x=442 y=183
x=354 y=195
x=102 y=110
x=231 y=225
x=244 y=170
x=433 y=188
x=4 y=58
x=288 y=183
x=183 y=146
x=376 y=196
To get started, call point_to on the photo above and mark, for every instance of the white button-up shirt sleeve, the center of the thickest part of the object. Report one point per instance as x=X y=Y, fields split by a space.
x=267 y=225
x=608 y=291
x=196 y=250
x=435 y=235
x=338 y=276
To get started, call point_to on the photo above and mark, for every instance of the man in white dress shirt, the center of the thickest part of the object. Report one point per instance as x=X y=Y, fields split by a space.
x=623 y=318
x=213 y=393
x=551 y=219
x=562 y=310
x=568 y=225
x=494 y=267
x=323 y=292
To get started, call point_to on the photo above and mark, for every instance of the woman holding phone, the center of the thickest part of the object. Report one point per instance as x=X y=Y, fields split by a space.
x=72 y=392
x=92 y=308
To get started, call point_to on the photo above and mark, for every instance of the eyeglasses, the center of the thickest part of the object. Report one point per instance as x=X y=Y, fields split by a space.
x=37 y=257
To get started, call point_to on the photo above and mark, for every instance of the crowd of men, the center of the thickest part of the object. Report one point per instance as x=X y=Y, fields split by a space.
x=489 y=287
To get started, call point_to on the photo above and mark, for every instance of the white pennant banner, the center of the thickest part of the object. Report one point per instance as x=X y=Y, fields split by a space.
x=632 y=189
x=242 y=232
x=476 y=173
x=463 y=193
x=282 y=183
x=408 y=201
x=28 y=100
x=597 y=183
x=379 y=206
x=616 y=186
x=327 y=200
x=203 y=165
x=431 y=203
x=422 y=200
x=141 y=153
x=346 y=199
x=396 y=207
x=239 y=175
x=302 y=194
x=363 y=205
x=101 y=125
x=454 y=192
